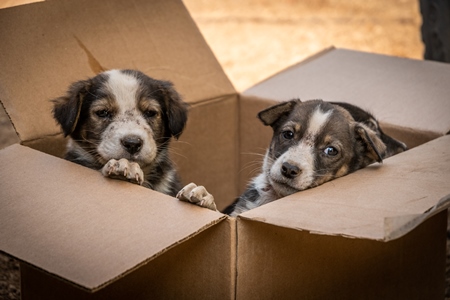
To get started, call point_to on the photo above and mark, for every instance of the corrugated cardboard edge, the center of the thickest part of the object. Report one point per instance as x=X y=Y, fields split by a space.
x=397 y=227
x=394 y=227
x=234 y=248
x=143 y=263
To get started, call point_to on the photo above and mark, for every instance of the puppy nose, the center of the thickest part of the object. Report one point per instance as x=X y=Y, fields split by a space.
x=289 y=171
x=132 y=144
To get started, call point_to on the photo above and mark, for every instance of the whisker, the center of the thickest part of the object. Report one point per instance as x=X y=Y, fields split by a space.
x=178 y=154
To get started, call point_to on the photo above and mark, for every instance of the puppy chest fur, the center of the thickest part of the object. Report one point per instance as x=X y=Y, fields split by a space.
x=123 y=115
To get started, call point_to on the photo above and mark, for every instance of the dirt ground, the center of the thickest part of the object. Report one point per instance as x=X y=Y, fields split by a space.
x=254 y=39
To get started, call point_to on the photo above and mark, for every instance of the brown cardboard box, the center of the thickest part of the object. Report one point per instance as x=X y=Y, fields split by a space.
x=75 y=232
x=377 y=233
x=369 y=235
x=109 y=237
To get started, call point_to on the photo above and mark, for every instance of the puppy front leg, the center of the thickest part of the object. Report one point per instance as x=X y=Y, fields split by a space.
x=124 y=170
x=197 y=195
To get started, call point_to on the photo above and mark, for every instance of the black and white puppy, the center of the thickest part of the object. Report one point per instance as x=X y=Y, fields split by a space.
x=313 y=142
x=121 y=122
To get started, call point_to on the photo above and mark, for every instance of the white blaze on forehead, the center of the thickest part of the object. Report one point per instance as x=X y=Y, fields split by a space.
x=124 y=87
x=318 y=120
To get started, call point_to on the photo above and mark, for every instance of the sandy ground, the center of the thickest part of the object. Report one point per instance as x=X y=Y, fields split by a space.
x=255 y=39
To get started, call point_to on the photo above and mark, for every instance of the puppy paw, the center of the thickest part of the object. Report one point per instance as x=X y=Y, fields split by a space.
x=124 y=170
x=197 y=195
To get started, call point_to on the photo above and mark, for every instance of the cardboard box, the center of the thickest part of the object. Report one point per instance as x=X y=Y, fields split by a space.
x=355 y=237
x=379 y=232
x=74 y=232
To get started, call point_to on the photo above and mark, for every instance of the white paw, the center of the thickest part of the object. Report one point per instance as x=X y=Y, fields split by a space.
x=197 y=195
x=124 y=170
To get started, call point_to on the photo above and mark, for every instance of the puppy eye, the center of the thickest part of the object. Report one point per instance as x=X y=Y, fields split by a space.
x=331 y=151
x=103 y=113
x=288 y=135
x=150 y=113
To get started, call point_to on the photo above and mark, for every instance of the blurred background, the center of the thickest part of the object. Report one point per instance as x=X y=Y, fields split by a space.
x=253 y=39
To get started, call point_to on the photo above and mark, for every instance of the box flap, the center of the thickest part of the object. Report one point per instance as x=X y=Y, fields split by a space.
x=46 y=46
x=44 y=208
x=403 y=92
x=380 y=202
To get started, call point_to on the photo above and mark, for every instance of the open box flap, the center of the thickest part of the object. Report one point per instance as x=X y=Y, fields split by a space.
x=402 y=92
x=381 y=202
x=46 y=46
x=106 y=227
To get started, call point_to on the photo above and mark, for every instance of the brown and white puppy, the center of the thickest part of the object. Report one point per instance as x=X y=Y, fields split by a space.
x=121 y=122
x=313 y=142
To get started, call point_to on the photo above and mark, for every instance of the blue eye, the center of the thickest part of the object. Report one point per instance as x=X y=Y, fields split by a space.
x=288 y=135
x=331 y=151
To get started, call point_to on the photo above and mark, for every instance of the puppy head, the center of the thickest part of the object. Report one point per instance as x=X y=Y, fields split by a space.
x=120 y=114
x=314 y=142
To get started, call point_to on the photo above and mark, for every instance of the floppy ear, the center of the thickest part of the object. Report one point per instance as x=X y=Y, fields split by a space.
x=273 y=113
x=373 y=145
x=66 y=109
x=393 y=146
x=176 y=109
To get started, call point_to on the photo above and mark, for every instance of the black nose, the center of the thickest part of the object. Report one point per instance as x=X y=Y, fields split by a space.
x=132 y=144
x=289 y=171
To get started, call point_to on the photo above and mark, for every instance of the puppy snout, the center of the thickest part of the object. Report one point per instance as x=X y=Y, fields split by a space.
x=289 y=171
x=132 y=144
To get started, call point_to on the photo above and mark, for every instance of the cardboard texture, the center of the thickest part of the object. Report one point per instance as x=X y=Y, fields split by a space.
x=281 y=263
x=95 y=234
x=207 y=152
x=377 y=233
x=197 y=268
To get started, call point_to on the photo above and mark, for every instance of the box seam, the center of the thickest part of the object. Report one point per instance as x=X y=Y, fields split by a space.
x=10 y=120
x=235 y=221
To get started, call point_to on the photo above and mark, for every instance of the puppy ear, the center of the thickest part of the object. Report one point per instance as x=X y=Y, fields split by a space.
x=176 y=110
x=273 y=113
x=393 y=146
x=66 y=109
x=373 y=145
